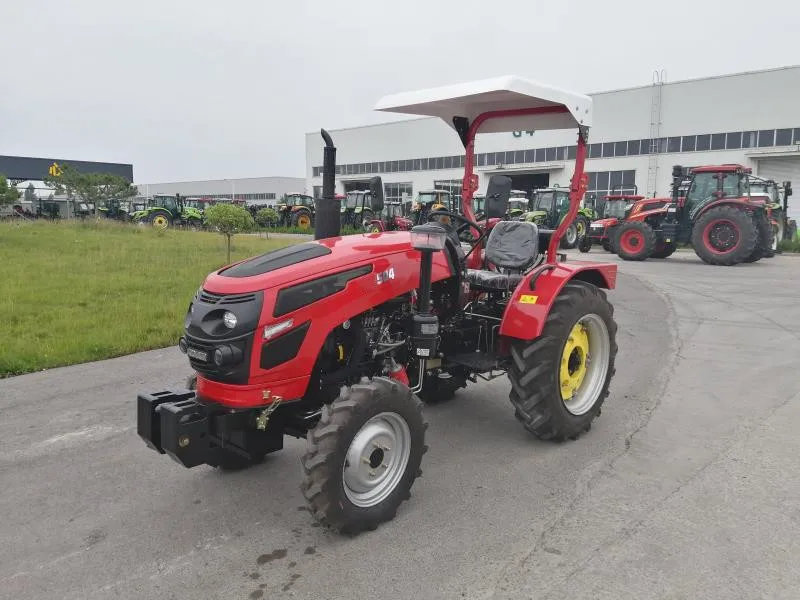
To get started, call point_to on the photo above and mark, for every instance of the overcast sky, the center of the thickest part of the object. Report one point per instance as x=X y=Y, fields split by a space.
x=201 y=89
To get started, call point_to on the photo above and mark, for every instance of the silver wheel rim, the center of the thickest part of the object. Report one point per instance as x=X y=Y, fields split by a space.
x=376 y=459
x=571 y=234
x=591 y=387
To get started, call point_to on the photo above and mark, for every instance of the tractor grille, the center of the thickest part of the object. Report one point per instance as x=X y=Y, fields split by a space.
x=211 y=298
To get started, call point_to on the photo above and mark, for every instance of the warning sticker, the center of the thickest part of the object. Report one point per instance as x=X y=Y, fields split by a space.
x=528 y=299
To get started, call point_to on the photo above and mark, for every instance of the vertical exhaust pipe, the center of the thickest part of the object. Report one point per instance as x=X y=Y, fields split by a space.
x=327 y=219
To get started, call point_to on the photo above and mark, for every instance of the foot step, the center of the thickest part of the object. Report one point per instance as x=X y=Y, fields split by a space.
x=477 y=362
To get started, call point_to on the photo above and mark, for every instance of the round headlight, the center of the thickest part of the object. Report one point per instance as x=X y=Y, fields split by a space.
x=219 y=358
x=229 y=319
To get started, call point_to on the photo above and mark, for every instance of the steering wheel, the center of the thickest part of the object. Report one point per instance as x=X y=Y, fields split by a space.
x=465 y=222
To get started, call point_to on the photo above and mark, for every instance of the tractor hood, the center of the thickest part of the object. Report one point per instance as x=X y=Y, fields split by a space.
x=610 y=222
x=310 y=260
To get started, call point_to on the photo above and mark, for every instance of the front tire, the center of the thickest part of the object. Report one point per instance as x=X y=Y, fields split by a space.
x=570 y=237
x=725 y=236
x=560 y=379
x=364 y=455
x=635 y=240
x=585 y=245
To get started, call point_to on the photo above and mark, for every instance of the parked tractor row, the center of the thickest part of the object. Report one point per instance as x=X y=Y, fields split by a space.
x=725 y=214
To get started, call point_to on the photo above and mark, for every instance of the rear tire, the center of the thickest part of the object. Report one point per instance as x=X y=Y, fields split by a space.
x=537 y=369
x=364 y=455
x=635 y=240
x=160 y=219
x=302 y=219
x=724 y=236
x=581 y=227
x=585 y=245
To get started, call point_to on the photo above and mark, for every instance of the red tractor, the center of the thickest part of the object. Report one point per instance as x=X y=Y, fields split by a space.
x=332 y=340
x=711 y=208
x=615 y=209
x=390 y=219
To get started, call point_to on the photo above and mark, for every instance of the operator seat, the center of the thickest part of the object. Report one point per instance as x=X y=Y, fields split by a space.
x=512 y=247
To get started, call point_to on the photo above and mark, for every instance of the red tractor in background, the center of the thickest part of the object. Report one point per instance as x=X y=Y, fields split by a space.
x=711 y=208
x=332 y=340
x=617 y=208
x=391 y=218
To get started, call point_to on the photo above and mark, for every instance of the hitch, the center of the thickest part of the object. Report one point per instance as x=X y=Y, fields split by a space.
x=192 y=433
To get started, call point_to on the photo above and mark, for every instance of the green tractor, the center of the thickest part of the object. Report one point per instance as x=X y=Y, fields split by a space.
x=550 y=206
x=120 y=210
x=296 y=210
x=357 y=209
x=518 y=205
x=165 y=211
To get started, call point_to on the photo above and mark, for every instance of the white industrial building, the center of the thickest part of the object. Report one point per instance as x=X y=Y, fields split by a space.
x=638 y=135
x=253 y=190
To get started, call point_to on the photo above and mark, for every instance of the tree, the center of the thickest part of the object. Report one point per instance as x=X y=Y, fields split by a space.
x=266 y=217
x=30 y=194
x=228 y=219
x=92 y=188
x=8 y=193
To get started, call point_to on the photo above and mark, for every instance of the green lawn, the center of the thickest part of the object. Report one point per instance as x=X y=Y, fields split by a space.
x=72 y=293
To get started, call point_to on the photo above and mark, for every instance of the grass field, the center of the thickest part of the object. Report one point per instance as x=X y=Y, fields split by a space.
x=72 y=293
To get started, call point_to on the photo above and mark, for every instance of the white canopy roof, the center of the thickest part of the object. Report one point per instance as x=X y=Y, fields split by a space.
x=501 y=93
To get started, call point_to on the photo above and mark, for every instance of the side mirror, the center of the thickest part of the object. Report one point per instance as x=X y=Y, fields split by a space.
x=497 y=195
x=376 y=191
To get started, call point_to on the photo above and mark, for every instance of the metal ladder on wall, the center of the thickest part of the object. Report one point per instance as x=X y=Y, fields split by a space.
x=659 y=77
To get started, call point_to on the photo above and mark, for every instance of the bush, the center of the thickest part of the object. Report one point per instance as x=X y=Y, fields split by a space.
x=266 y=217
x=789 y=245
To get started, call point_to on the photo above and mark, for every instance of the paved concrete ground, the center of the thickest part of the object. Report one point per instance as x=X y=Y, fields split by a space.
x=686 y=487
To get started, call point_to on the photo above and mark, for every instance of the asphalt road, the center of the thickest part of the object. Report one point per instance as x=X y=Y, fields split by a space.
x=686 y=487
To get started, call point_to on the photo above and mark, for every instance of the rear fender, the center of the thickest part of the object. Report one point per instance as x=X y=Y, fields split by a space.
x=741 y=203
x=531 y=302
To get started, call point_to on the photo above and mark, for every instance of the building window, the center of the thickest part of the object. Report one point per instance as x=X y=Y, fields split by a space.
x=562 y=153
x=608 y=150
x=749 y=139
x=645 y=147
x=703 y=142
x=766 y=138
x=397 y=192
x=688 y=143
x=519 y=156
x=633 y=147
x=674 y=144
x=490 y=159
x=539 y=155
x=603 y=183
x=718 y=141
x=317 y=191
x=783 y=137
x=451 y=185
x=550 y=154
x=381 y=167
x=423 y=164
x=733 y=140
x=797 y=135
x=620 y=148
x=595 y=150
x=572 y=152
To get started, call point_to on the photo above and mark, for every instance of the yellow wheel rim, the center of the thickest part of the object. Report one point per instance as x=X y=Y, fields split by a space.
x=375 y=229
x=160 y=222
x=304 y=222
x=581 y=228
x=573 y=361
